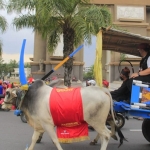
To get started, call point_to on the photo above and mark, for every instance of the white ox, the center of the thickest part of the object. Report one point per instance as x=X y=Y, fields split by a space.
x=97 y=103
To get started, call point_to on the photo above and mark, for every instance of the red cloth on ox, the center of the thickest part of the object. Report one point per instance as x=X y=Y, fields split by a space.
x=67 y=113
x=1 y=101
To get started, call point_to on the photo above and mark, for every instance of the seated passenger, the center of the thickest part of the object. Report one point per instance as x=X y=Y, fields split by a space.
x=120 y=94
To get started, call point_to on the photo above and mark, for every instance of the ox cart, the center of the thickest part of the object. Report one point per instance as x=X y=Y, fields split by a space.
x=125 y=42
x=138 y=107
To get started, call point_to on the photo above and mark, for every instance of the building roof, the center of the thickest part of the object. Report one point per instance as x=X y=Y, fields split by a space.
x=122 y=41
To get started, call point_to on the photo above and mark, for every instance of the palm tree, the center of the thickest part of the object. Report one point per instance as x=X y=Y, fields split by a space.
x=76 y=20
x=3 y=23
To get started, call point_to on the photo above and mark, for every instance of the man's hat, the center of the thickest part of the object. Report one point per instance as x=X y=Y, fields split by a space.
x=144 y=46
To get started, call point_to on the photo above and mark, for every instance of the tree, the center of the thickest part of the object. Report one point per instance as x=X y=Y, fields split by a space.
x=76 y=20
x=3 y=23
x=27 y=65
x=89 y=74
x=1 y=66
x=11 y=65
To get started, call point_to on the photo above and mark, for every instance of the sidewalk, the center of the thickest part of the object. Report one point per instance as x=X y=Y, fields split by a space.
x=114 y=85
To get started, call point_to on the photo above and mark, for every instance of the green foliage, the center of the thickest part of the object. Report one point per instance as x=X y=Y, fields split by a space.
x=84 y=20
x=122 y=56
x=76 y=20
x=27 y=65
x=89 y=74
x=3 y=23
x=52 y=16
x=9 y=67
x=21 y=5
x=1 y=44
x=2 y=66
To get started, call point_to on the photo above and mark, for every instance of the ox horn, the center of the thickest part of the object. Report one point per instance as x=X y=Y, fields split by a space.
x=22 y=76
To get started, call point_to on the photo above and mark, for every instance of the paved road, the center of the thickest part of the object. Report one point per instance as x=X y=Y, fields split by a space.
x=14 y=135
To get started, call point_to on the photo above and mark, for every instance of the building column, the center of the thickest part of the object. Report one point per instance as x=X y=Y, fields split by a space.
x=39 y=56
x=39 y=47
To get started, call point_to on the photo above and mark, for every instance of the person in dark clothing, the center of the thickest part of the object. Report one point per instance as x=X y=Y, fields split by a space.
x=120 y=94
x=142 y=75
x=144 y=69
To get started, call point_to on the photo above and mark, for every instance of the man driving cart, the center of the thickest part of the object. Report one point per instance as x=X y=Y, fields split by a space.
x=124 y=92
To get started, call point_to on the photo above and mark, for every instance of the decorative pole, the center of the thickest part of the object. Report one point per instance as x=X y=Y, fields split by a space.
x=98 y=59
x=62 y=62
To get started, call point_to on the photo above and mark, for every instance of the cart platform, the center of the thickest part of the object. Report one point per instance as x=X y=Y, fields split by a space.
x=140 y=101
x=123 y=107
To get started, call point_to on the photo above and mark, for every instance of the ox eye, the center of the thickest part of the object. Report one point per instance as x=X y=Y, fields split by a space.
x=7 y=93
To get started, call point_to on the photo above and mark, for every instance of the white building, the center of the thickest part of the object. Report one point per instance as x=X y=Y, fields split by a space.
x=86 y=69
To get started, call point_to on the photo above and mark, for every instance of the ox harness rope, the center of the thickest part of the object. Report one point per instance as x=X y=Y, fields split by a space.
x=20 y=96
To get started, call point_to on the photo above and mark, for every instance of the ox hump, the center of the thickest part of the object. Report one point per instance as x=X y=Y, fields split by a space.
x=37 y=84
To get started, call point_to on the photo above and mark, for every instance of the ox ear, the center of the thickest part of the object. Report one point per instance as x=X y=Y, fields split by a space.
x=14 y=93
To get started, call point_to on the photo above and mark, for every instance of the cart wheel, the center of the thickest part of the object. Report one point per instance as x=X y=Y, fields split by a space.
x=146 y=129
x=23 y=118
x=120 y=120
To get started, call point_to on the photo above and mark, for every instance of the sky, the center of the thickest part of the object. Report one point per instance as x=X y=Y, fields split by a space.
x=12 y=42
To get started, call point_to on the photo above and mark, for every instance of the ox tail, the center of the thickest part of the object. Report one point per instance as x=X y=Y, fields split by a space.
x=122 y=138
